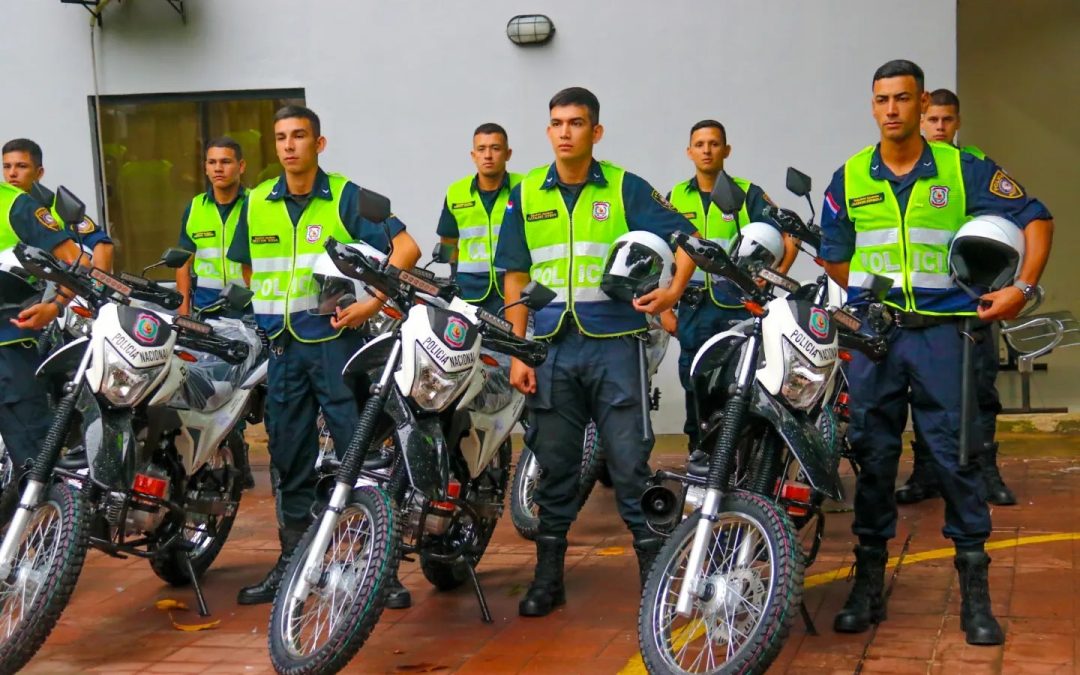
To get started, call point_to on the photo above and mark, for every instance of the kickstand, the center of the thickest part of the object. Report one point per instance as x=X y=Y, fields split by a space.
x=484 y=611
x=810 y=628
x=203 y=611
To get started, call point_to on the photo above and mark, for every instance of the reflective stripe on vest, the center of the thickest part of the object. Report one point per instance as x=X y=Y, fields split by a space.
x=569 y=251
x=478 y=231
x=716 y=227
x=282 y=257
x=912 y=249
x=212 y=238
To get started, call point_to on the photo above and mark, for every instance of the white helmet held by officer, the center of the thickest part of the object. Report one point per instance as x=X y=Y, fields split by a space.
x=987 y=251
x=763 y=235
x=333 y=285
x=638 y=262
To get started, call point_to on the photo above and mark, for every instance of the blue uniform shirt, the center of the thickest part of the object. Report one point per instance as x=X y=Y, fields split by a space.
x=36 y=227
x=205 y=296
x=982 y=180
x=88 y=233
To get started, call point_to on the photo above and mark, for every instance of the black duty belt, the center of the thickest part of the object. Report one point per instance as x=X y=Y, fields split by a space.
x=915 y=320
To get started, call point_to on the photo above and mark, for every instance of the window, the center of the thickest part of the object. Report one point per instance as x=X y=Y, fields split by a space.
x=153 y=159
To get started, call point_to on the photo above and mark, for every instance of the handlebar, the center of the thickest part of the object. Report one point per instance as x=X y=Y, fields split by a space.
x=200 y=336
x=792 y=224
x=713 y=259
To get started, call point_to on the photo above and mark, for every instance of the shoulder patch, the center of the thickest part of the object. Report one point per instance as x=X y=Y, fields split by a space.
x=46 y=219
x=87 y=226
x=659 y=199
x=265 y=239
x=541 y=215
x=866 y=200
x=205 y=234
x=463 y=205
x=1005 y=187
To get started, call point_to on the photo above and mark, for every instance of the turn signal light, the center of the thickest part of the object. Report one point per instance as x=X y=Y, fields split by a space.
x=795 y=492
x=150 y=486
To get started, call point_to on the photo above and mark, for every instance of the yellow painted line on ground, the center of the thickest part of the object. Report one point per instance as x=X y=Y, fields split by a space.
x=635 y=666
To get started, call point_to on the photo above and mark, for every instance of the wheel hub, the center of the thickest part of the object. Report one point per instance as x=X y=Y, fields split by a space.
x=728 y=598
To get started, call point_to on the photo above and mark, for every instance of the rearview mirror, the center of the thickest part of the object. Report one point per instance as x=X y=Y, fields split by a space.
x=175 y=258
x=798 y=183
x=69 y=207
x=536 y=296
x=373 y=206
x=727 y=196
x=236 y=296
x=442 y=253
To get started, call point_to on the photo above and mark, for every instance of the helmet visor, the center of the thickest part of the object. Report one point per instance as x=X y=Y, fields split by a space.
x=331 y=292
x=632 y=270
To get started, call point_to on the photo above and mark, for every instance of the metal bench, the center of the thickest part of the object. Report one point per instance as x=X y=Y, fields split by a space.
x=1033 y=336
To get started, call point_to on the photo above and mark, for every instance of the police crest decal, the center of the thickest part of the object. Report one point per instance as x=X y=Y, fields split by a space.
x=313 y=233
x=939 y=196
x=601 y=210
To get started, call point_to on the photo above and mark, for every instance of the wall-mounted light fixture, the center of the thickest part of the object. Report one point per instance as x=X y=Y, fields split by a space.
x=530 y=29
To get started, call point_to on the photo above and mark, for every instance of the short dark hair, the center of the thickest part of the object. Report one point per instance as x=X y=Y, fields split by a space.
x=709 y=124
x=945 y=97
x=226 y=142
x=901 y=68
x=286 y=112
x=491 y=128
x=24 y=145
x=578 y=96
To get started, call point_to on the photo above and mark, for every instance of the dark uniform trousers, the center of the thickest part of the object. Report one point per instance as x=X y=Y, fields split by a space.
x=301 y=379
x=587 y=378
x=696 y=326
x=24 y=408
x=928 y=361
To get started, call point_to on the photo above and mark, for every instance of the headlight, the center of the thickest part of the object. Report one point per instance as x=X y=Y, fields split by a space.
x=804 y=382
x=78 y=326
x=123 y=385
x=433 y=388
x=378 y=324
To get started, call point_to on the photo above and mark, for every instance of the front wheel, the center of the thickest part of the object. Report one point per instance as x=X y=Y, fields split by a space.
x=750 y=589
x=46 y=566
x=321 y=632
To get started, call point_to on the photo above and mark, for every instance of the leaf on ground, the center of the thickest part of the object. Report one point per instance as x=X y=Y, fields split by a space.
x=193 y=627
x=169 y=603
x=420 y=668
x=612 y=551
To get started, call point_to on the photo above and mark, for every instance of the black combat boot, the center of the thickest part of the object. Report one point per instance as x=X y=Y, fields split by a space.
x=922 y=484
x=646 y=548
x=265 y=590
x=247 y=479
x=398 y=597
x=546 y=591
x=866 y=604
x=976 y=618
x=997 y=492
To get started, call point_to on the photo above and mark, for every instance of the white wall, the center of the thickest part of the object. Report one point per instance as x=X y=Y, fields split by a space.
x=400 y=85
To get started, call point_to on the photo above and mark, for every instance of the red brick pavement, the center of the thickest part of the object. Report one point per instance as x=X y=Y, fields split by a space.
x=112 y=626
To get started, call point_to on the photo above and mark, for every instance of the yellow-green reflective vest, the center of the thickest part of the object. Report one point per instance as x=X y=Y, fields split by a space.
x=569 y=251
x=974 y=150
x=9 y=334
x=911 y=249
x=282 y=257
x=212 y=238
x=714 y=226
x=478 y=235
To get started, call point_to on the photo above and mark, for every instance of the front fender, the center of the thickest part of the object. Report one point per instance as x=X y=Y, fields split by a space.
x=422 y=445
x=109 y=440
x=819 y=463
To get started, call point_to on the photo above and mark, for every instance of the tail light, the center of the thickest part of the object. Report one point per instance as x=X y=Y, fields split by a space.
x=453 y=490
x=150 y=486
x=797 y=494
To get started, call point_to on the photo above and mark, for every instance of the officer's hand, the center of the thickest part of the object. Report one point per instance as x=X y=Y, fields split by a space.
x=522 y=377
x=1004 y=304
x=37 y=316
x=355 y=314
x=669 y=322
x=656 y=301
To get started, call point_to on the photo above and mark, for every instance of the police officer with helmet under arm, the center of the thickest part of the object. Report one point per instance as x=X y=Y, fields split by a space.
x=282 y=230
x=893 y=209
x=560 y=223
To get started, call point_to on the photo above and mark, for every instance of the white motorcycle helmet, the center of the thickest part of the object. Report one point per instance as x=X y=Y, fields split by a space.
x=333 y=285
x=987 y=251
x=760 y=234
x=638 y=262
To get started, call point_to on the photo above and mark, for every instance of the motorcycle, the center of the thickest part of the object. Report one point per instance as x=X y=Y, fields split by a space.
x=424 y=391
x=138 y=459
x=727 y=583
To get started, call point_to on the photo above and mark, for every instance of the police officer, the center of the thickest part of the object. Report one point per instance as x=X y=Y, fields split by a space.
x=719 y=305
x=472 y=216
x=208 y=225
x=892 y=210
x=23 y=168
x=281 y=230
x=559 y=224
x=24 y=410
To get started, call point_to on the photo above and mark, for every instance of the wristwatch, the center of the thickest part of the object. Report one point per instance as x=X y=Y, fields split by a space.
x=1027 y=289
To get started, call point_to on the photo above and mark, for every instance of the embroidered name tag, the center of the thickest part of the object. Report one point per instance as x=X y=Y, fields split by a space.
x=689 y=215
x=463 y=205
x=542 y=215
x=265 y=239
x=203 y=235
x=866 y=200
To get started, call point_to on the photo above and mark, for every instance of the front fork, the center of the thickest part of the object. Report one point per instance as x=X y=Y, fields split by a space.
x=345 y=480
x=719 y=471
x=42 y=469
